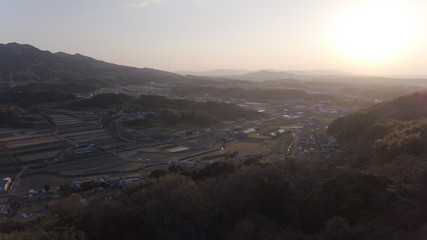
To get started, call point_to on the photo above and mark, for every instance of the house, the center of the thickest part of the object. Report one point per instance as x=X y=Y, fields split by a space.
x=128 y=181
x=31 y=193
x=310 y=141
x=249 y=131
x=281 y=131
x=82 y=149
x=273 y=134
x=5 y=184
x=100 y=181
x=23 y=217
x=329 y=145
x=332 y=140
x=278 y=132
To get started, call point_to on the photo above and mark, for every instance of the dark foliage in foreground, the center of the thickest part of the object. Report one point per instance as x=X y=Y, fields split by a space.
x=259 y=201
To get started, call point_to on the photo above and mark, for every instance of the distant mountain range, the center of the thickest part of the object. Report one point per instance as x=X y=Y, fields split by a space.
x=215 y=73
x=315 y=75
x=27 y=63
x=264 y=75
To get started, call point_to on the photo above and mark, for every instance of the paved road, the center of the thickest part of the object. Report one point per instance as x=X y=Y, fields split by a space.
x=17 y=179
x=119 y=130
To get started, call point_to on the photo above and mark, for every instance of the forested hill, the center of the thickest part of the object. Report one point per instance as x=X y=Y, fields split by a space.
x=172 y=110
x=28 y=63
x=403 y=108
x=249 y=94
x=386 y=130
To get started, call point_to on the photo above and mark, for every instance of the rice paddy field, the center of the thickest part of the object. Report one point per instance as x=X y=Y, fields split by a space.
x=250 y=146
x=31 y=145
x=172 y=152
x=76 y=128
x=200 y=143
x=88 y=165
x=6 y=159
x=82 y=128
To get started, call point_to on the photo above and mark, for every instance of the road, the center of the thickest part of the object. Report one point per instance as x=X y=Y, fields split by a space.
x=17 y=179
x=119 y=131
x=54 y=132
x=295 y=143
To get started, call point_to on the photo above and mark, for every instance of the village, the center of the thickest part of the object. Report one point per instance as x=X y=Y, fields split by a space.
x=75 y=152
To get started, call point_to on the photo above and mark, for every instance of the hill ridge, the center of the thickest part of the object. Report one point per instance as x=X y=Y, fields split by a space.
x=30 y=64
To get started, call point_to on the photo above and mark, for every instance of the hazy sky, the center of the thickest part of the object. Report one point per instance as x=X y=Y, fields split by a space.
x=370 y=37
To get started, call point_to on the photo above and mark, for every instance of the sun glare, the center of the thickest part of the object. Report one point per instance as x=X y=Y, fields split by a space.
x=375 y=32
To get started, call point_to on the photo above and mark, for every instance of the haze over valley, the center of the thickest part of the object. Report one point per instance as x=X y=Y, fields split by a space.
x=170 y=119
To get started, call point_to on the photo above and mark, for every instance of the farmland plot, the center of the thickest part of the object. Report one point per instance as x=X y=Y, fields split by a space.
x=82 y=128
x=39 y=156
x=23 y=137
x=202 y=143
x=151 y=156
x=250 y=146
x=5 y=159
x=38 y=182
x=32 y=142
x=39 y=148
x=96 y=164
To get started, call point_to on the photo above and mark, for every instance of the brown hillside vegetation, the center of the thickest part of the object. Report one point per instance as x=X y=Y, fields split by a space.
x=386 y=130
x=259 y=201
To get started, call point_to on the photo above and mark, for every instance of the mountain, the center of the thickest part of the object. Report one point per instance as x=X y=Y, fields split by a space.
x=311 y=76
x=216 y=73
x=29 y=64
x=320 y=72
x=315 y=75
x=265 y=75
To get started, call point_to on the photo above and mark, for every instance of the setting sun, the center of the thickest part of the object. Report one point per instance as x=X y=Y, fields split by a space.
x=375 y=32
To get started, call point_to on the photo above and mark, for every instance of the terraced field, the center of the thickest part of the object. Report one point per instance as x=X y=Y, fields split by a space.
x=89 y=165
x=31 y=145
x=81 y=128
x=6 y=159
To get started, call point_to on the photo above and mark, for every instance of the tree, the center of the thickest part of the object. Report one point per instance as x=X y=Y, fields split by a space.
x=171 y=115
x=65 y=190
x=157 y=173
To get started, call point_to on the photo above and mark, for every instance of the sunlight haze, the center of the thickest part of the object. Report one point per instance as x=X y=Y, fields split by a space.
x=364 y=37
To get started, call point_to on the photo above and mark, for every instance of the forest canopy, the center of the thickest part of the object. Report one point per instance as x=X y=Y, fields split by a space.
x=386 y=130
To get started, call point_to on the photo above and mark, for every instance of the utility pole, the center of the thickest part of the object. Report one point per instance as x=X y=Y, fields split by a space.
x=11 y=80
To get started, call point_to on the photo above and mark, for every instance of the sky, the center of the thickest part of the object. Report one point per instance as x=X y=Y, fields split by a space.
x=375 y=37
